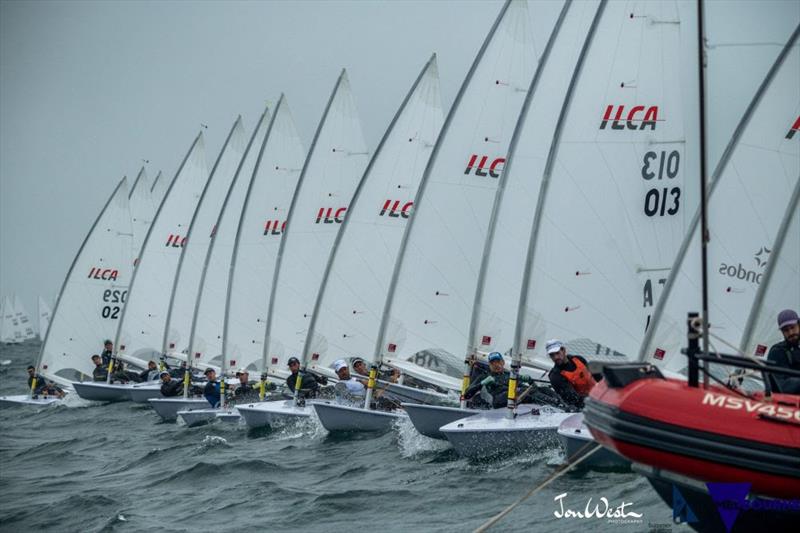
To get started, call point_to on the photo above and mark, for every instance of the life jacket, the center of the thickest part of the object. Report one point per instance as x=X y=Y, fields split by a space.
x=580 y=378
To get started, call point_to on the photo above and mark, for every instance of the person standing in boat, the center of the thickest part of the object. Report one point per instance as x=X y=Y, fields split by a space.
x=211 y=390
x=570 y=376
x=100 y=372
x=107 y=354
x=786 y=354
x=170 y=387
x=309 y=384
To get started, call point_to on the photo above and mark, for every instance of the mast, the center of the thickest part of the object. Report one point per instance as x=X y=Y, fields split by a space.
x=704 y=236
x=197 y=140
x=282 y=245
x=237 y=239
x=548 y=171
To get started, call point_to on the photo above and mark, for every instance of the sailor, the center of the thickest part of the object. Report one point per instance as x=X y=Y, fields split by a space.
x=309 y=386
x=211 y=390
x=786 y=354
x=170 y=387
x=100 y=372
x=352 y=385
x=490 y=388
x=360 y=367
x=42 y=385
x=244 y=392
x=178 y=372
x=107 y=353
x=570 y=376
x=150 y=373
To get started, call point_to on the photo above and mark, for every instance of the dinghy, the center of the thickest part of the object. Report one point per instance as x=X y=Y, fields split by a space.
x=333 y=167
x=9 y=326
x=354 y=284
x=44 y=313
x=24 y=321
x=167 y=408
x=209 y=312
x=25 y=399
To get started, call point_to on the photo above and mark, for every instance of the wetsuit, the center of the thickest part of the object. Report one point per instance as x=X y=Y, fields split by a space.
x=309 y=386
x=245 y=393
x=572 y=381
x=105 y=357
x=100 y=373
x=41 y=384
x=148 y=375
x=171 y=388
x=785 y=355
x=498 y=390
x=211 y=393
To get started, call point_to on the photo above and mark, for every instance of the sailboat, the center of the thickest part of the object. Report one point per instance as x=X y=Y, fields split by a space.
x=209 y=314
x=23 y=320
x=92 y=296
x=334 y=164
x=348 y=308
x=261 y=228
x=9 y=331
x=710 y=433
x=600 y=241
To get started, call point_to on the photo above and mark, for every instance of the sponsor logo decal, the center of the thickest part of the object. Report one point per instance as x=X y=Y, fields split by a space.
x=175 y=241
x=330 y=215
x=494 y=168
x=681 y=512
x=274 y=227
x=637 y=117
x=736 y=403
x=732 y=498
x=106 y=274
x=392 y=209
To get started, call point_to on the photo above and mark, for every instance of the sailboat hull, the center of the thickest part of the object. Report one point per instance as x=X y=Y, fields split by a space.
x=198 y=417
x=263 y=414
x=143 y=392
x=490 y=434
x=25 y=399
x=102 y=392
x=427 y=419
x=167 y=408
x=337 y=417
x=576 y=440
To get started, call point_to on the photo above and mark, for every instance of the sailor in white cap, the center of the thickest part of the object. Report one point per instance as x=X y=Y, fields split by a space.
x=353 y=385
x=570 y=376
x=245 y=392
x=786 y=354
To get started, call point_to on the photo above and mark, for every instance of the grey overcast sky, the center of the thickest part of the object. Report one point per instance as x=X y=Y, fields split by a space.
x=90 y=89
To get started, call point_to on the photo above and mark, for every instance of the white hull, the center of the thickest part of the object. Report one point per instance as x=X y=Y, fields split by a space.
x=576 y=440
x=200 y=417
x=427 y=419
x=264 y=414
x=167 y=408
x=337 y=417
x=144 y=391
x=491 y=434
x=25 y=399
x=103 y=392
x=229 y=416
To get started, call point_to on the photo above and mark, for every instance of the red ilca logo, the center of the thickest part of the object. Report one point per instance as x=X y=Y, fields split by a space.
x=495 y=168
x=107 y=274
x=649 y=119
x=793 y=129
x=394 y=210
x=175 y=241
x=274 y=227
x=329 y=215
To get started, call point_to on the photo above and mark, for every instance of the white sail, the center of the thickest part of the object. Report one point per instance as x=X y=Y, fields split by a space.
x=9 y=333
x=93 y=295
x=44 y=312
x=750 y=192
x=435 y=279
x=499 y=284
x=333 y=167
x=23 y=320
x=141 y=328
x=353 y=292
x=159 y=188
x=261 y=224
x=780 y=287
x=619 y=189
x=209 y=314
x=143 y=208
x=186 y=284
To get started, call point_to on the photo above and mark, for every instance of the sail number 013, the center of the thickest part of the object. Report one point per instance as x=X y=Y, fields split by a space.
x=661 y=201
x=113 y=296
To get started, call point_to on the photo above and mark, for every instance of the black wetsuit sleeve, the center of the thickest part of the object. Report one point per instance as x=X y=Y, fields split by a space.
x=564 y=389
x=474 y=384
x=779 y=356
x=290 y=382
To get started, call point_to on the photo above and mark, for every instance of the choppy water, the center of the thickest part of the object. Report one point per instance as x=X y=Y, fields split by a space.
x=117 y=467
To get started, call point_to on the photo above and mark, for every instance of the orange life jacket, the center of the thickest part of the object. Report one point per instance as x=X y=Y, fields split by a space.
x=580 y=378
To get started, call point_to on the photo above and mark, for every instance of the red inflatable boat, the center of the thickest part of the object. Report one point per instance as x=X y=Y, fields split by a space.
x=710 y=434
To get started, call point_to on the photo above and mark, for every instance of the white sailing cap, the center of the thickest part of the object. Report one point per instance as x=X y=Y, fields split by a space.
x=553 y=345
x=339 y=364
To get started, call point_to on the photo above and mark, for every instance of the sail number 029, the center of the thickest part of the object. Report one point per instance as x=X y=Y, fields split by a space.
x=661 y=201
x=112 y=296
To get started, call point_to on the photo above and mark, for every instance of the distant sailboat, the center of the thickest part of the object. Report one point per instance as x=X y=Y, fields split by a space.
x=44 y=312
